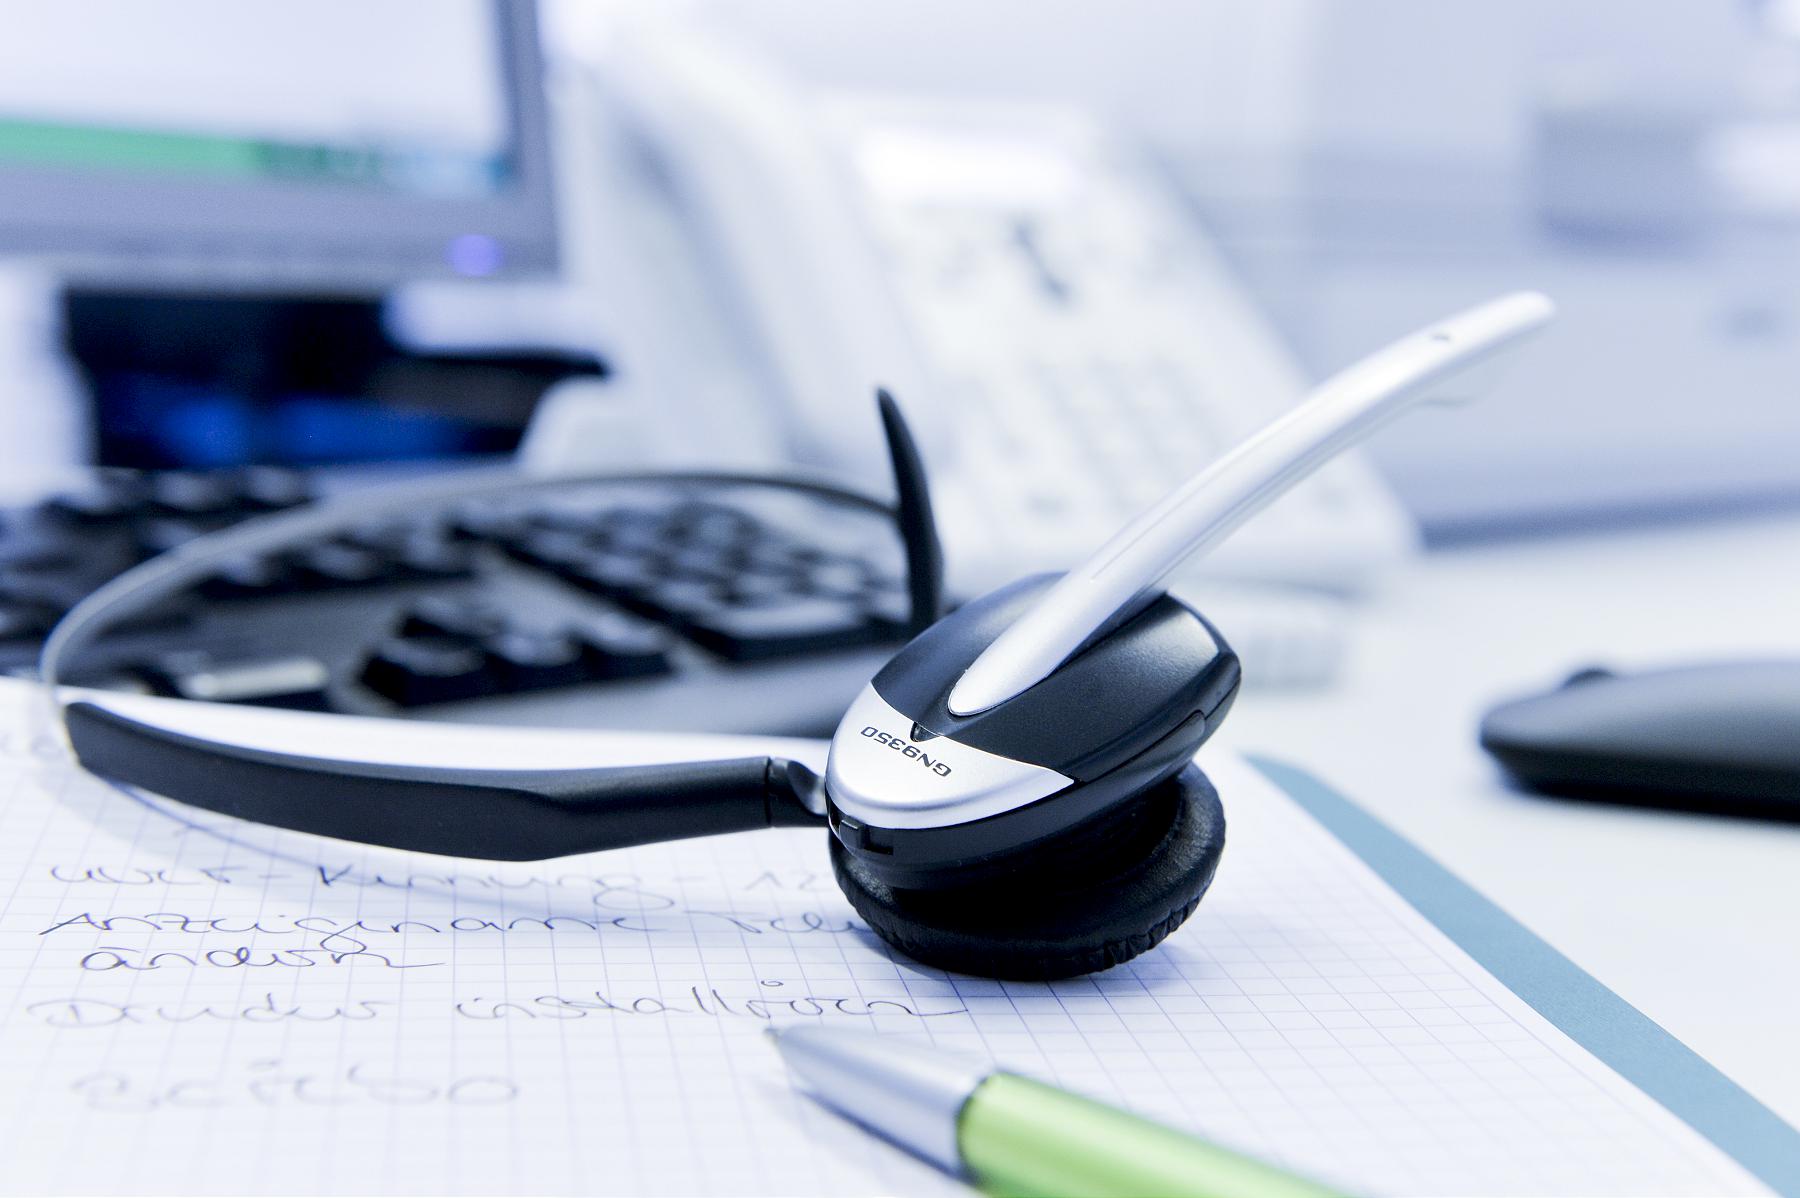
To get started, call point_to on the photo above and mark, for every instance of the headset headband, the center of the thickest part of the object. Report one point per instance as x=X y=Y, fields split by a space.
x=499 y=814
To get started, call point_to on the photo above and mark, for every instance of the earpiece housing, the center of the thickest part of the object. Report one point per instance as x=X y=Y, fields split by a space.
x=920 y=797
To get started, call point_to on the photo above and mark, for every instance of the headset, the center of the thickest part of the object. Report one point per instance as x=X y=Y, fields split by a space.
x=1013 y=795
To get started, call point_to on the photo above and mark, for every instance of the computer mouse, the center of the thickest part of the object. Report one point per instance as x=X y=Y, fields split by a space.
x=1721 y=738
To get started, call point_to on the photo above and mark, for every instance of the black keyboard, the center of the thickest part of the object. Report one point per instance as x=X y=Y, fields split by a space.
x=651 y=605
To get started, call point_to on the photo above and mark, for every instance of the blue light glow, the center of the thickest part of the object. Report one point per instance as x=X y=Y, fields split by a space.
x=475 y=254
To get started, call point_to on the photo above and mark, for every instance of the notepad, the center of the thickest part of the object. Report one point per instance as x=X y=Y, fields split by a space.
x=190 y=1004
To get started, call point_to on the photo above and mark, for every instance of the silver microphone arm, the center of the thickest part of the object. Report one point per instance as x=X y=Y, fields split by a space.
x=1451 y=361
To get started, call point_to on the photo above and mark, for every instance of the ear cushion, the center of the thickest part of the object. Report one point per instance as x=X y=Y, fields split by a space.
x=1054 y=925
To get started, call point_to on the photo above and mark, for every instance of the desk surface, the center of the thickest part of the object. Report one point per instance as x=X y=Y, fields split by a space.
x=1692 y=919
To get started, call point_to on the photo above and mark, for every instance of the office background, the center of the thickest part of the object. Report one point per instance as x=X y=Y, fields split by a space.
x=681 y=257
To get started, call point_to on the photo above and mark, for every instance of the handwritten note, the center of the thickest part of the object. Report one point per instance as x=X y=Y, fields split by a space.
x=192 y=1004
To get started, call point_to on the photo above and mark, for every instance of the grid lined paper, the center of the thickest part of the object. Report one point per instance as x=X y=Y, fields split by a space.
x=189 y=1004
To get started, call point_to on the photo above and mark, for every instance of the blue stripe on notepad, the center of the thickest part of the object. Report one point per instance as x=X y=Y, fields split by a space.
x=1620 y=1035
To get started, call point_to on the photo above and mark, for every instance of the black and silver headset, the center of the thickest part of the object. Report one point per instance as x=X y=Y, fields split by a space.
x=1012 y=795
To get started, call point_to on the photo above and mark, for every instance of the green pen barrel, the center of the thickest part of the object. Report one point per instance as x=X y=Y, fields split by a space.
x=1019 y=1137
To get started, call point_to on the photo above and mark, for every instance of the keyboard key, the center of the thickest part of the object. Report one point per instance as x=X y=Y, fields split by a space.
x=802 y=626
x=704 y=564
x=111 y=498
x=335 y=566
x=774 y=559
x=37 y=601
x=805 y=556
x=679 y=601
x=387 y=536
x=560 y=552
x=23 y=622
x=88 y=507
x=42 y=557
x=635 y=536
x=842 y=578
x=760 y=590
x=620 y=647
x=161 y=535
x=477 y=523
x=297 y=681
x=700 y=523
x=889 y=606
x=583 y=524
x=454 y=618
x=633 y=517
x=252 y=577
x=189 y=496
x=413 y=671
x=621 y=578
x=177 y=611
x=271 y=489
x=51 y=593
x=431 y=557
x=525 y=661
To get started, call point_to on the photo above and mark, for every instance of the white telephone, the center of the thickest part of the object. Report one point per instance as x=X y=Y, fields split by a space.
x=1064 y=339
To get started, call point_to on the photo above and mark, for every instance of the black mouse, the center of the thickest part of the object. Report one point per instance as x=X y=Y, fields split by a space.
x=1719 y=738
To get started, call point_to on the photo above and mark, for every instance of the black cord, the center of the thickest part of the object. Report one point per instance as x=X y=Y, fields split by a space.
x=913 y=518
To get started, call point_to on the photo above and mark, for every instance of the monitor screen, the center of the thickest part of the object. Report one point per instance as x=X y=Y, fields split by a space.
x=334 y=140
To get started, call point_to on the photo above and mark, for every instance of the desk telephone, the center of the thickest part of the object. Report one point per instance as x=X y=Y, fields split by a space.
x=1069 y=342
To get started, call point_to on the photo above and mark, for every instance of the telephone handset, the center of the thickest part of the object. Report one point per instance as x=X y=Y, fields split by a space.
x=1070 y=343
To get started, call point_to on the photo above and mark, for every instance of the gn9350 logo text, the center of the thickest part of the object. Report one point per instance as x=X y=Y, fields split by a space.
x=905 y=748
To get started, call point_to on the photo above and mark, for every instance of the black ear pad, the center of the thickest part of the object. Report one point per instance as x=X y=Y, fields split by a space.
x=1038 y=925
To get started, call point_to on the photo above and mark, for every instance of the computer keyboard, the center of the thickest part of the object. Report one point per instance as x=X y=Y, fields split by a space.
x=661 y=605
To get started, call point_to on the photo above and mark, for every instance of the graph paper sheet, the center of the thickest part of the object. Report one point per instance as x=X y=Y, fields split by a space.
x=190 y=1005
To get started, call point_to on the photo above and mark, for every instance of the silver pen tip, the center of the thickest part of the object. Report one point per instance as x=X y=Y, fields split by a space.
x=908 y=1092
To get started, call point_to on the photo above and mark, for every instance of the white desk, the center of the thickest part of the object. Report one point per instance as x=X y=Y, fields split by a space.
x=1693 y=919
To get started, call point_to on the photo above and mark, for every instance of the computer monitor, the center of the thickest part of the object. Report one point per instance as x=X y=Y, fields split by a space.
x=339 y=145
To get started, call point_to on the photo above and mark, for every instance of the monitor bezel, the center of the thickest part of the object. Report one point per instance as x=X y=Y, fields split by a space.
x=102 y=228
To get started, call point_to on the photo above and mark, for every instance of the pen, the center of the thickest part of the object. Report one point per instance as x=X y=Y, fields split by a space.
x=1014 y=1136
